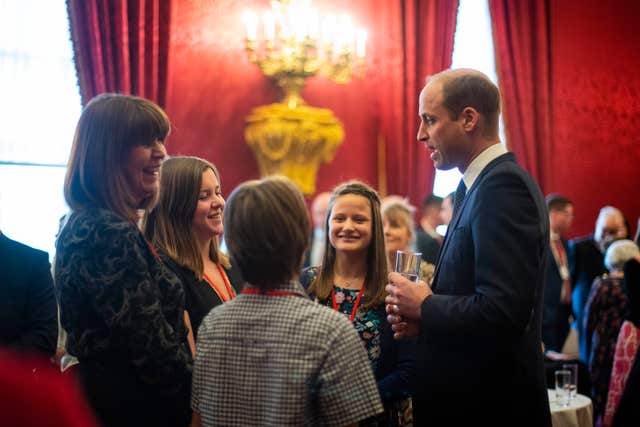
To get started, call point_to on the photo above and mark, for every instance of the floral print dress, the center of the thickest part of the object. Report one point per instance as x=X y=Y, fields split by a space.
x=369 y=324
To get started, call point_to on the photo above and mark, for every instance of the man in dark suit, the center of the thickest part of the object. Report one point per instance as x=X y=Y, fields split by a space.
x=586 y=262
x=556 y=310
x=28 y=310
x=480 y=360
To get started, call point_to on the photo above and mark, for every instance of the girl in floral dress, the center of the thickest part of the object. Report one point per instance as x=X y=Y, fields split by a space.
x=351 y=280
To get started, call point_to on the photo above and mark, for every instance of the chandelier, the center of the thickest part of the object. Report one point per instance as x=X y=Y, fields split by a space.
x=290 y=43
x=296 y=43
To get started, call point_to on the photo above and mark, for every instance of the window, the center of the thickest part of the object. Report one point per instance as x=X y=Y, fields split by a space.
x=472 y=48
x=39 y=106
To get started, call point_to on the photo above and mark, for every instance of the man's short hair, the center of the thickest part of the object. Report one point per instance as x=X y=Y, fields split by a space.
x=267 y=230
x=470 y=88
x=557 y=202
x=431 y=201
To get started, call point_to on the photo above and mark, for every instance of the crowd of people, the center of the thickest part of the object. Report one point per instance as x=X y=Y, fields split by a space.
x=304 y=322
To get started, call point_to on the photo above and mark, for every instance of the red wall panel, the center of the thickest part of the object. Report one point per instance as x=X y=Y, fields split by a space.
x=597 y=104
x=213 y=87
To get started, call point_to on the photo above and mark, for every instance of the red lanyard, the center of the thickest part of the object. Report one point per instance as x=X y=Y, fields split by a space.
x=271 y=293
x=151 y=248
x=355 y=305
x=226 y=284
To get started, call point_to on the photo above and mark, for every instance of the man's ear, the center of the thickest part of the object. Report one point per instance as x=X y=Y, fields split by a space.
x=470 y=117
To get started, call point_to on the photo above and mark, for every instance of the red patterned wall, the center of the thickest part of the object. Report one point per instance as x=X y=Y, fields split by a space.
x=596 y=80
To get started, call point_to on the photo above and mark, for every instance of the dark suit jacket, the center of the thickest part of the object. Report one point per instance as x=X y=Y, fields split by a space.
x=555 y=316
x=586 y=262
x=427 y=245
x=481 y=361
x=28 y=309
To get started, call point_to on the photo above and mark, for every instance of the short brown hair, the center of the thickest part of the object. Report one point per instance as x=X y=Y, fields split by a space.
x=267 y=230
x=376 y=278
x=109 y=126
x=557 y=202
x=469 y=88
x=168 y=225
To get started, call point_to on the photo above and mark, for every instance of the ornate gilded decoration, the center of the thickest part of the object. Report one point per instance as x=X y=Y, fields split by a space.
x=289 y=137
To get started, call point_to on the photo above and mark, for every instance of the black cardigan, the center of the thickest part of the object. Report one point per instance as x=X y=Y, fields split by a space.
x=199 y=297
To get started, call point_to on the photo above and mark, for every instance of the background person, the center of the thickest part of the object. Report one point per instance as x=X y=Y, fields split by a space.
x=271 y=356
x=606 y=308
x=586 y=261
x=427 y=240
x=120 y=305
x=557 y=311
x=318 y=215
x=397 y=225
x=28 y=308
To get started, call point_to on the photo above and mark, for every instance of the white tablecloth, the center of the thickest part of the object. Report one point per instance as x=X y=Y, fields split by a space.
x=579 y=413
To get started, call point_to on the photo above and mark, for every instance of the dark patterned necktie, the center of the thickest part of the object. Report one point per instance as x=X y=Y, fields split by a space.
x=461 y=191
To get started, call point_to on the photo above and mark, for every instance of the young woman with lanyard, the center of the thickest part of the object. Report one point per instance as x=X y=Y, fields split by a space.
x=185 y=226
x=351 y=280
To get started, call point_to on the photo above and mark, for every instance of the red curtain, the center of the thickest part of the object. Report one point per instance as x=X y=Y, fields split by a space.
x=522 y=45
x=121 y=46
x=424 y=35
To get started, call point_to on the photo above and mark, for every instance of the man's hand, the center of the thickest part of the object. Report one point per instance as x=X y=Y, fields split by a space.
x=404 y=329
x=404 y=304
x=406 y=297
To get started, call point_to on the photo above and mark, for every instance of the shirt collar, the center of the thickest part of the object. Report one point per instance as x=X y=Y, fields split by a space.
x=480 y=162
x=291 y=286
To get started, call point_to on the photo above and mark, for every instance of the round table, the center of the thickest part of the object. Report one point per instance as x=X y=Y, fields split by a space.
x=579 y=413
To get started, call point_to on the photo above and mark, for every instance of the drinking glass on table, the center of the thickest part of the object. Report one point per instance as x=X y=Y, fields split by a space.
x=573 y=384
x=563 y=381
x=408 y=264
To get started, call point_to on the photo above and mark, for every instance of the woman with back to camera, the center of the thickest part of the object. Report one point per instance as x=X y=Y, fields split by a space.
x=186 y=226
x=120 y=305
x=351 y=280
x=399 y=229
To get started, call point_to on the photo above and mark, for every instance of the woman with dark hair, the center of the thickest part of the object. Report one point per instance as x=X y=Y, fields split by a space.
x=186 y=226
x=351 y=280
x=271 y=356
x=120 y=305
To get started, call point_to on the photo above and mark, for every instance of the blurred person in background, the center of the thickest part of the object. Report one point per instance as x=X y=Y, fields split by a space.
x=607 y=307
x=428 y=242
x=397 y=225
x=28 y=308
x=586 y=262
